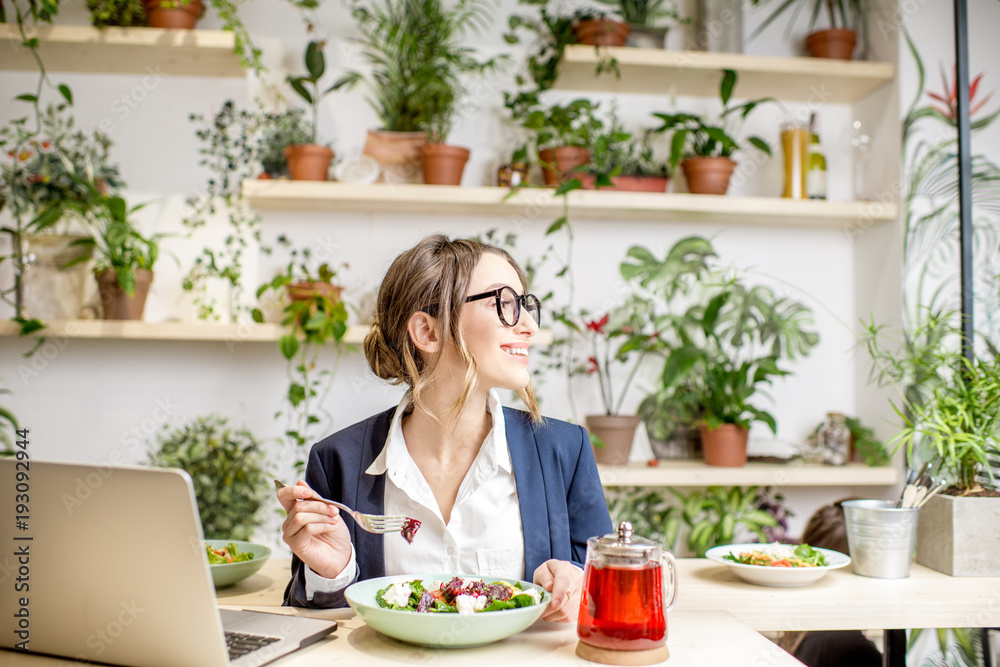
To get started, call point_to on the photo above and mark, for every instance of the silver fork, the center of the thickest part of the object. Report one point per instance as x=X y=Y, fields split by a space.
x=373 y=523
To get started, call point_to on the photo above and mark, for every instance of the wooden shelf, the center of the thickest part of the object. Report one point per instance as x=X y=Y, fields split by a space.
x=534 y=202
x=658 y=72
x=187 y=331
x=147 y=51
x=688 y=473
x=184 y=331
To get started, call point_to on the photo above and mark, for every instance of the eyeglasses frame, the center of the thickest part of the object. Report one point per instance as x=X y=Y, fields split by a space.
x=520 y=300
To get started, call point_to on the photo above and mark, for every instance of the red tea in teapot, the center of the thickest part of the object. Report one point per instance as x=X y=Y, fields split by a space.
x=622 y=609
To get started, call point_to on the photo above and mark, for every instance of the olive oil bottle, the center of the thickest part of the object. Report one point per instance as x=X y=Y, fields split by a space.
x=816 y=165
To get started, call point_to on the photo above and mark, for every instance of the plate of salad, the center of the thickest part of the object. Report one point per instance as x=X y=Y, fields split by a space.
x=232 y=561
x=447 y=611
x=778 y=564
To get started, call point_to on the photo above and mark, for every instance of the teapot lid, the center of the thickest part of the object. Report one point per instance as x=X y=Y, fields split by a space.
x=624 y=543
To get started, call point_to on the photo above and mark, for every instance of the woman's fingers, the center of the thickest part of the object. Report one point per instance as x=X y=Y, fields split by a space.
x=563 y=580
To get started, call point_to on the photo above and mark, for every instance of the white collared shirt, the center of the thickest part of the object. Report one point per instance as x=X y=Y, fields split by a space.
x=483 y=536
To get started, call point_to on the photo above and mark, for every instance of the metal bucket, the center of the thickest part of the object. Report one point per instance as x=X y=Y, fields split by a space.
x=881 y=537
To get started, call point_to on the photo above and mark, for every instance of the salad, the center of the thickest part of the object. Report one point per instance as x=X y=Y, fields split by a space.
x=780 y=555
x=462 y=596
x=228 y=554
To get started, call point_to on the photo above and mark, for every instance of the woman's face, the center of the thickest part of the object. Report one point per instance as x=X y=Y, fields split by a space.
x=501 y=352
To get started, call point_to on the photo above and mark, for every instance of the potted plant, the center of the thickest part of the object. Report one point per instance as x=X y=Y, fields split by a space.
x=119 y=13
x=443 y=164
x=310 y=161
x=563 y=135
x=722 y=348
x=847 y=20
x=703 y=148
x=410 y=77
x=227 y=466
x=174 y=14
x=617 y=341
x=642 y=17
x=623 y=162
x=315 y=315
x=50 y=180
x=276 y=132
x=954 y=426
x=123 y=259
x=598 y=29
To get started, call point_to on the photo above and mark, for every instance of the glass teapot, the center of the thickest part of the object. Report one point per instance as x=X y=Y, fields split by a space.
x=630 y=583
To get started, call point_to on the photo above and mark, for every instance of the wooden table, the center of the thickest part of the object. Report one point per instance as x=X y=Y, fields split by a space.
x=716 y=620
x=841 y=600
x=697 y=638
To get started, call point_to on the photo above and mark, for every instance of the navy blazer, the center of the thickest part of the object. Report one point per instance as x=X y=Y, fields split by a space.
x=558 y=490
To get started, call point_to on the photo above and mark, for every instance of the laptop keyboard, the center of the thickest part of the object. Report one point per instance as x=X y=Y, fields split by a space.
x=239 y=644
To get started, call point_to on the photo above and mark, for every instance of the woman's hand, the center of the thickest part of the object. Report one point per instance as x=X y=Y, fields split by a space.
x=314 y=531
x=564 y=581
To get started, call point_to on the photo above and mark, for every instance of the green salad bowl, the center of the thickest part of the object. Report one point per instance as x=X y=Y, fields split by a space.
x=227 y=574
x=442 y=630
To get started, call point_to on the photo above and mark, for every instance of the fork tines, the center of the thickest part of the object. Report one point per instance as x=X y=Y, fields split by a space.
x=385 y=524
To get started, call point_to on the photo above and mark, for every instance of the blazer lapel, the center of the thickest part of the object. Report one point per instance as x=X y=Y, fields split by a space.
x=530 y=491
x=370 y=499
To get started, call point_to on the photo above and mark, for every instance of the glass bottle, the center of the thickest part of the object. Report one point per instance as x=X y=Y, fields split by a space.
x=794 y=146
x=816 y=171
x=834 y=439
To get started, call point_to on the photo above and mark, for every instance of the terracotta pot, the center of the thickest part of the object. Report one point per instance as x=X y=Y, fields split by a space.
x=708 y=175
x=725 y=446
x=601 y=32
x=617 y=433
x=308 y=162
x=565 y=159
x=305 y=290
x=628 y=183
x=172 y=14
x=117 y=304
x=398 y=155
x=837 y=43
x=443 y=164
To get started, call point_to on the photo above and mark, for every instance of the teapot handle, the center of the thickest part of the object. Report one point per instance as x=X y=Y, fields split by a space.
x=667 y=559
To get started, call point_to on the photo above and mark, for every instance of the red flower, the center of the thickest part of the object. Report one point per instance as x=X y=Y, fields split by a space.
x=597 y=326
x=950 y=97
x=591 y=365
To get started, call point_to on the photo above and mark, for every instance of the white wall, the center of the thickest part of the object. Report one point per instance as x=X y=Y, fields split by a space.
x=82 y=403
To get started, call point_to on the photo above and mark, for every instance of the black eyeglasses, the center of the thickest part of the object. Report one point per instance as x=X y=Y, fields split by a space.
x=509 y=305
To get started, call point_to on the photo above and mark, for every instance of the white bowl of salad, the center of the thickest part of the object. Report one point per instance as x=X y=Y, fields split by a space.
x=778 y=564
x=447 y=611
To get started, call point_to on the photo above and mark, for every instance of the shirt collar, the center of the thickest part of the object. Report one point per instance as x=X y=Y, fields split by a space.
x=494 y=447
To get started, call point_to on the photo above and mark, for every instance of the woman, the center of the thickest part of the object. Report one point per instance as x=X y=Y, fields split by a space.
x=499 y=492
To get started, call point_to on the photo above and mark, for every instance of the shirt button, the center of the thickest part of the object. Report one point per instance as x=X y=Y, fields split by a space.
x=450 y=551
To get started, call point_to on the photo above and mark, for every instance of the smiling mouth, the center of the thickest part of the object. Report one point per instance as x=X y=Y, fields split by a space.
x=516 y=351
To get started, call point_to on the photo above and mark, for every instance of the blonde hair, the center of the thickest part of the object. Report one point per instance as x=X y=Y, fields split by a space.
x=433 y=277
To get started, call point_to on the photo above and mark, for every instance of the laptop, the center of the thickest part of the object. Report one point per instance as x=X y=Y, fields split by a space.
x=107 y=564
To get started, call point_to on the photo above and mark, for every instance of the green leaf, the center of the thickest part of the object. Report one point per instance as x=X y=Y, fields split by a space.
x=557 y=225
x=568 y=186
x=289 y=345
x=315 y=62
x=27 y=98
x=727 y=85
x=297 y=86
x=66 y=93
x=760 y=144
